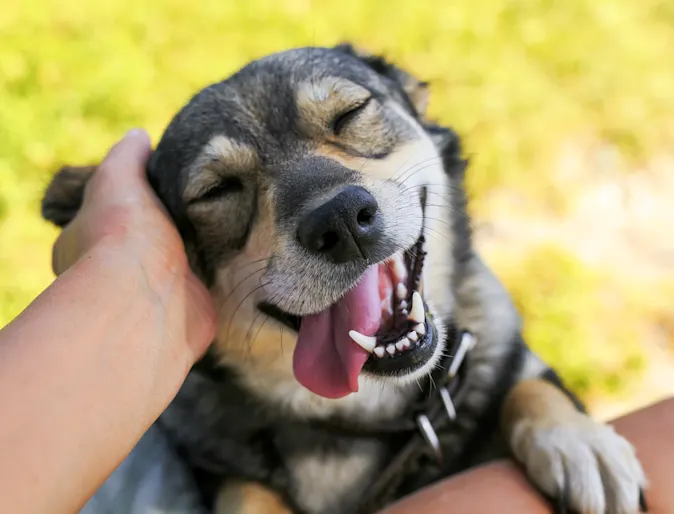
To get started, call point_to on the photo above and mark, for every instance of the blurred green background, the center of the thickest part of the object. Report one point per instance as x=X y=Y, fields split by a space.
x=567 y=110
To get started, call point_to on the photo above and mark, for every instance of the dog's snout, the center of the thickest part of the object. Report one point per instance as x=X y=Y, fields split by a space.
x=346 y=228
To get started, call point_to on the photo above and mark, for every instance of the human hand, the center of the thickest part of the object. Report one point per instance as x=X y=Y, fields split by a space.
x=121 y=215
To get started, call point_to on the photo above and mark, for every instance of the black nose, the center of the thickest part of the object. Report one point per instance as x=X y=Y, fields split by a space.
x=346 y=228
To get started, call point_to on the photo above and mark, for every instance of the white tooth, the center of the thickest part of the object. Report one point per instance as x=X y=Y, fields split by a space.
x=406 y=343
x=386 y=307
x=403 y=312
x=401 y=291
x=420 y=329
x=367 y=343
x=418 y=315
x=403 y=305
x=391 y=349
x=399 y=267
x=412 y=336
x=379 y=351
x=400 y=345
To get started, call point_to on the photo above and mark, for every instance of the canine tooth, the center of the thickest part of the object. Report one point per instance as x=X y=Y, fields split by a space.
x=379 y=351
x=399 y=267
x=400 y=345
x=420 y=329
x=412 y=336
x=401 y=291
x=417 y=315
x=367 y=343
x=386 y=304
x=391 y=349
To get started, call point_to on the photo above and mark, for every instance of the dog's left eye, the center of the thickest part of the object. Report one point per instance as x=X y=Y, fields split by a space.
x=347 y=116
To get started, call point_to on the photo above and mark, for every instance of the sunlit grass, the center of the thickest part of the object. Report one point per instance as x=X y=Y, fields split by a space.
x=516 y=78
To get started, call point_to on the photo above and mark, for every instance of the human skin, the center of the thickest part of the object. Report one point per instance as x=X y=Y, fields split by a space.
x=501 y=487
x=94 y=360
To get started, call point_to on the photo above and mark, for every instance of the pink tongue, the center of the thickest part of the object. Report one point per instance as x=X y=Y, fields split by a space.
x=326 y=360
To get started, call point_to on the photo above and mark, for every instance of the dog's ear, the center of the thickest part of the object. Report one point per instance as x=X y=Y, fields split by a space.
x=63 y=197
x=417 y=92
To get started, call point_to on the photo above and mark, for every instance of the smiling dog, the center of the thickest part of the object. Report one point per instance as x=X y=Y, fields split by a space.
x=363 y=350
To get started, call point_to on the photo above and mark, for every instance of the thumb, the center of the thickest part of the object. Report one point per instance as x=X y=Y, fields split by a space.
x=201 y=317
x=126 y=160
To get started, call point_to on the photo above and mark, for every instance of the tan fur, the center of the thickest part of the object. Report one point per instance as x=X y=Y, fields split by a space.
x=219 y=158
x=318 y=102
x=245 y=334
x=249 y=498
x=538 y=401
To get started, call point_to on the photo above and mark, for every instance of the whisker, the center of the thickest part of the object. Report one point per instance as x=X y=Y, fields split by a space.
x=254 y=290
x=419 y=166
x=243 y=266
x=258 y=332
x=241 y=282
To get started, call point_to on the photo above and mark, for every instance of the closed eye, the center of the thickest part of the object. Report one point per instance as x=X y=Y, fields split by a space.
x=345 y=117
x=226 y=186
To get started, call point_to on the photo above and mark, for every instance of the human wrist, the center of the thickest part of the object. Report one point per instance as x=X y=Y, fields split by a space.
x=138 y=289
x=163 y=278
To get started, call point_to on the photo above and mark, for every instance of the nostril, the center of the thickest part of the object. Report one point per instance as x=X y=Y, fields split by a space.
x=365 y=216
x=327 y=241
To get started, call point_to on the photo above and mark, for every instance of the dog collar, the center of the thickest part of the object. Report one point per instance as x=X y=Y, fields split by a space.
x=431 y=416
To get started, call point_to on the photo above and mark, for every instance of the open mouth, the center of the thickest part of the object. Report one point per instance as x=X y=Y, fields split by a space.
x=380 y=327
x=406 y=338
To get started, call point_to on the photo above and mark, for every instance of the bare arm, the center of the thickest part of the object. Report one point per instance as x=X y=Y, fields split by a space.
x=502 y=487
x=94 y=360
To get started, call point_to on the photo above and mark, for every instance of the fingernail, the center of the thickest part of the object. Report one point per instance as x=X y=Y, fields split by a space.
x=134 y=132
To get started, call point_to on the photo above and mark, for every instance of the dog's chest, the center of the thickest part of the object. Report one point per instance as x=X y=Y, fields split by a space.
x=328 y=474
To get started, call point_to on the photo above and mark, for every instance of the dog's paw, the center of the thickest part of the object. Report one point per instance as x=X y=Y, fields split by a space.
x=585 y=466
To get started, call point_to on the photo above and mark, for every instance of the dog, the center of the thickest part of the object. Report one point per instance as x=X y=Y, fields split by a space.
x=363 y=349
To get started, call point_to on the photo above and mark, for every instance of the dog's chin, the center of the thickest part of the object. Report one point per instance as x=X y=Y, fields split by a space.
x=408 y=342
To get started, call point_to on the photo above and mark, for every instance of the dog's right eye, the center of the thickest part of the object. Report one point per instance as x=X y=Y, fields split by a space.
x=225 y=187
x=347 y=116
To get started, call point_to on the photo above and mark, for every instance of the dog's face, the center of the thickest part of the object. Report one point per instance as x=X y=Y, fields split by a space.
x=313 y=201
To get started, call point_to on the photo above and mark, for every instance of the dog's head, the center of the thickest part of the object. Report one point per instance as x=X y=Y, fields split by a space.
x=316 y=204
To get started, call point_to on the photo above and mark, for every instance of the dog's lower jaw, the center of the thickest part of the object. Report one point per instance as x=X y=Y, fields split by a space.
x=577 y=461
x=419 y=374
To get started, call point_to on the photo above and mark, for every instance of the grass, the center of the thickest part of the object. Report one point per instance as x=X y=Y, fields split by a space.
x=518 y=79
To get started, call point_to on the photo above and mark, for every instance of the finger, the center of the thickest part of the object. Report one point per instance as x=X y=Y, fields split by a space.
x=130 y=154
x=122 y=172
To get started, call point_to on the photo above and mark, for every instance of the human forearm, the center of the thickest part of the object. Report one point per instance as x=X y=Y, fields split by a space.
x=83 y=371
x=502 y=488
